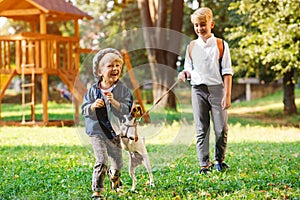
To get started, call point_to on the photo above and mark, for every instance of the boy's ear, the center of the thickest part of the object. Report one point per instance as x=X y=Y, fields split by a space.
x=212 y=25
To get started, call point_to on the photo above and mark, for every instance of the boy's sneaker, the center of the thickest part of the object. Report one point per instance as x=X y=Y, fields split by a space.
x=204 y=170
x=114 y=177
x=97 y=195
x=221 y=166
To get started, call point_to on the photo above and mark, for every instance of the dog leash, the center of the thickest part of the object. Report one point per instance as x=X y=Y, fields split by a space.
x=158 y=100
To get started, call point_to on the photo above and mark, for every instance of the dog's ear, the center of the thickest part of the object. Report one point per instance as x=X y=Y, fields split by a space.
x=134 y=109
x=140 y=110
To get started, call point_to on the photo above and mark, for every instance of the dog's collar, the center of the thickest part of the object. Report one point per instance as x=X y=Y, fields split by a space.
x=127 y=128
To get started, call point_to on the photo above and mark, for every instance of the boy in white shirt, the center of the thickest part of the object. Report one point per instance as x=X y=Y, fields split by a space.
x=211 y=88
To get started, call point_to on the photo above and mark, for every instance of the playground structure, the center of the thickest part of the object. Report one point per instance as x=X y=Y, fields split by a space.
x=37 y=53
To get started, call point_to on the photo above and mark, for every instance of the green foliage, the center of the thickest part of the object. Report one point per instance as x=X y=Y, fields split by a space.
x=266 y=38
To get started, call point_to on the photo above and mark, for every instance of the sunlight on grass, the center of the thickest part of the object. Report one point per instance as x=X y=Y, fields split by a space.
x=177 y=133
x=259 y=108
x=255 y=108
x=238 y=133
x=38 y=136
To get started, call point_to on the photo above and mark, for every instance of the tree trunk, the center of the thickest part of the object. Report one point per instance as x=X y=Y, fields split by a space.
x=176 y=25
x=289 y=93
x=159 y=41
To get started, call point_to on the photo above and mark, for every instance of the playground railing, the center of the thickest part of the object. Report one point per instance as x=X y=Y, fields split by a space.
x=45 y=52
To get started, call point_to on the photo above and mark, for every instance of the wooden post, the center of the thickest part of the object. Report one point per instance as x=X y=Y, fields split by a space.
x=248 y=91
x=77 y=61
x=43 y=30
x=14 y=72
x=33 y=27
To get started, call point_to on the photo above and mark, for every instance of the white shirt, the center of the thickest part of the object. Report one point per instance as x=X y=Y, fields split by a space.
x=204 y=67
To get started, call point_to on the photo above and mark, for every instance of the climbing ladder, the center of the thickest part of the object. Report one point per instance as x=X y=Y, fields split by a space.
x=28 y=67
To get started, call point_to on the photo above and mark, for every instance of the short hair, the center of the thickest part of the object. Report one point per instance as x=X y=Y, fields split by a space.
x=108 y=58
x=202 y=14
x=97 y=58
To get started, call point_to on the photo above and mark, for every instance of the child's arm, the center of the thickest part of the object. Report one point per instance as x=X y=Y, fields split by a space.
x=90 y=103
x=186 y=73
x=226 y=102
x=114 y=102
x=97 y=104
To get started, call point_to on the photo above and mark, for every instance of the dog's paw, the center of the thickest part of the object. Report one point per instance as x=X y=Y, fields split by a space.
x=152 y=184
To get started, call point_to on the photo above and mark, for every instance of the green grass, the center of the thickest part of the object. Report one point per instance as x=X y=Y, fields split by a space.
x=52 y=163
x=56 y=111
x=265 y=111
x=57 y=163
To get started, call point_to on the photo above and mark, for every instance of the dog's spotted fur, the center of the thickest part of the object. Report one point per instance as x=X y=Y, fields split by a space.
x=136 y=148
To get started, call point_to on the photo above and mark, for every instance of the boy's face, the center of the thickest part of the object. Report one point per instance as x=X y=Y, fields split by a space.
x=203 y=28
x=110 y=70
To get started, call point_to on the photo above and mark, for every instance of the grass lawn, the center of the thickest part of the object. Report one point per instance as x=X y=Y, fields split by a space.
x=263 y=154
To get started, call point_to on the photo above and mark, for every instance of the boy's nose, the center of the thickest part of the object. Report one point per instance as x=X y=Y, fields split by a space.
x=114 y=67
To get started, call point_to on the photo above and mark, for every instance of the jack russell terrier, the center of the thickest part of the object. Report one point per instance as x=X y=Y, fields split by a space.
x=136 y=148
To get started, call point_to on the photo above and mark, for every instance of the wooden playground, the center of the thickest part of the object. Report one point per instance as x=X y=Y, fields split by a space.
x=38 y=53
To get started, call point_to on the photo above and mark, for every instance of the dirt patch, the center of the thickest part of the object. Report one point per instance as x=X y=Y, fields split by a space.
x=267 y=119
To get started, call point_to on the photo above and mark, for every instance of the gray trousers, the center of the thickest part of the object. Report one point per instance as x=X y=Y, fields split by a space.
x=206 y=100
x=104 y=149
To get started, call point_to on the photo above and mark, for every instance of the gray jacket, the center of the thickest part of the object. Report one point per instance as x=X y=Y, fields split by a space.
x=121 y=93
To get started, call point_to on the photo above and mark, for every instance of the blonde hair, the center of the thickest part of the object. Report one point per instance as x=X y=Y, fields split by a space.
x=97 y=58
x=109 y=58
x=202 y=14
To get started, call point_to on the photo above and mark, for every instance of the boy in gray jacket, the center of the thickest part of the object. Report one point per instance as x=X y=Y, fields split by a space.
x=104 y=104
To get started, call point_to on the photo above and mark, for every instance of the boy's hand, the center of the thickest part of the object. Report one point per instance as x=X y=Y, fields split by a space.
x=97 y=104
x=183 y=76
x=226 y=102
x=109 y=96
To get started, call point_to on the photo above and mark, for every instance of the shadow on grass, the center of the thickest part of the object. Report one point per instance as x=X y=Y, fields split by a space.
x=257 y=171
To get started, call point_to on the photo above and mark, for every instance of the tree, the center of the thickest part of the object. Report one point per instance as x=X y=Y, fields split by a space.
x=267 y=36
x=155 y=14
x=162 y=22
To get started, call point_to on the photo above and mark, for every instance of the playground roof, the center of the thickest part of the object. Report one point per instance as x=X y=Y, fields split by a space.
x=30 y=10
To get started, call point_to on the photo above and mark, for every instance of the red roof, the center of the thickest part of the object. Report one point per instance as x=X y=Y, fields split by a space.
x=59 y=6
x=57 y=9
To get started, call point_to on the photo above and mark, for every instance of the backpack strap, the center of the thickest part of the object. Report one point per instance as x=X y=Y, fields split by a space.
x=220 y=44
x=221 y=47
x=191 y=46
